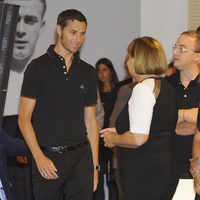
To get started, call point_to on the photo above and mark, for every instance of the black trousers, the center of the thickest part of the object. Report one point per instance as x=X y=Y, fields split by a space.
x=75 y=172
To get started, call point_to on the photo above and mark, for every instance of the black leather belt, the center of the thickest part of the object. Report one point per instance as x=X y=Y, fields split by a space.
x=66 y=148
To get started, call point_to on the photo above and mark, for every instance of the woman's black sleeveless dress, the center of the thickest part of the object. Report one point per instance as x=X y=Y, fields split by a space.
x=149 y=172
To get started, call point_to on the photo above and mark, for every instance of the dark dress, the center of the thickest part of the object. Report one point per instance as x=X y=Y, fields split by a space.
x=149 y=171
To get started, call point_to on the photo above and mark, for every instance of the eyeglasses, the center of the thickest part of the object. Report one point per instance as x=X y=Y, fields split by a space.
x=180 y=49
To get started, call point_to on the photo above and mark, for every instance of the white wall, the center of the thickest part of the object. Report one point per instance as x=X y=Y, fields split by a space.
x=164 y=20
x=111 y=26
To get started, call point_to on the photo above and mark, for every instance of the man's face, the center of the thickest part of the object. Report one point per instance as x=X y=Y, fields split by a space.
x=183 y=52
x=71 y=37
x=28 y=28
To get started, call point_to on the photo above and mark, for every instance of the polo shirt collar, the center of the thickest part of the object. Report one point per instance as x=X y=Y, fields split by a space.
x=53 y=55
x=195 y=81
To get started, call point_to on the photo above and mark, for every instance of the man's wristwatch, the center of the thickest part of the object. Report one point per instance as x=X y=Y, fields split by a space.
x=97 y=167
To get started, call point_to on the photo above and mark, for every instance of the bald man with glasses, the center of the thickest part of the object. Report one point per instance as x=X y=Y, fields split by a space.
x=186 y=81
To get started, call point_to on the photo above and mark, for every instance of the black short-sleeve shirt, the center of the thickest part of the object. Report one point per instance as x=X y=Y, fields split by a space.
x=58 y=116
x=187 y=98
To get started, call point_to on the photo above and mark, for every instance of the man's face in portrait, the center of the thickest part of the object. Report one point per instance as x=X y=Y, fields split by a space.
x=28 y=29
x=30 y=22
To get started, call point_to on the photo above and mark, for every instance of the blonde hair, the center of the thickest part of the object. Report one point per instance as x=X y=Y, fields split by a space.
x=149 y=56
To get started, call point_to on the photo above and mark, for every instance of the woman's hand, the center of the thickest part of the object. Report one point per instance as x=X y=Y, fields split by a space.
x=113 y=129
x=108 y=136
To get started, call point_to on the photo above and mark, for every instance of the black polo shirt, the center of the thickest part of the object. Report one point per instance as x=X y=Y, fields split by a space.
x=187 y=98
x=58 y=116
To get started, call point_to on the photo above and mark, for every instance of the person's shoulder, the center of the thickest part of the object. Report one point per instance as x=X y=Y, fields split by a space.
x=124 y=82
x=172 y=78
x=140 y=87
x=86 y=65
x=167 y=86
x=39 y=64
x=142 y=92
x=86 y=69
x=41 y=59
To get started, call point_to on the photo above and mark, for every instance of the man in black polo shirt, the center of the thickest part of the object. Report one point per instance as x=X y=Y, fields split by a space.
x=186 y=56
x=57 y=115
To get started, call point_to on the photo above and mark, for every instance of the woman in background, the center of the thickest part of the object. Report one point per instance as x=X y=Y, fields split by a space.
x=108 y=89
x=145 y=128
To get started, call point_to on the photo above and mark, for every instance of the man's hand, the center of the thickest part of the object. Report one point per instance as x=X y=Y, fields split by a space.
x=46 y=168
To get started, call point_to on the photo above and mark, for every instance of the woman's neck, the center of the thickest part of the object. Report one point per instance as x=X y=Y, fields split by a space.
x=143 y=77
x=106 y=87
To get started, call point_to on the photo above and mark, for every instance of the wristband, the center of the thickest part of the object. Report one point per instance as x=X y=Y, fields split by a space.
x=97 y=167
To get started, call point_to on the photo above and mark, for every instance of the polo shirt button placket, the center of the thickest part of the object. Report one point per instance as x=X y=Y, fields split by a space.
x=65 y=73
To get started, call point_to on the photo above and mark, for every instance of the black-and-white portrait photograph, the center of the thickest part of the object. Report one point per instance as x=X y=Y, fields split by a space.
x=91 y=109
x=30 y=24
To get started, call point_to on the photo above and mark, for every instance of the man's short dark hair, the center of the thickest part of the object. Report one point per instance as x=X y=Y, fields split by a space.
x=72 y=15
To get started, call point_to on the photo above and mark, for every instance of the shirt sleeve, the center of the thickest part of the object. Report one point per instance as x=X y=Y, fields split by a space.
x=91 y=96
x=31 y=82
x=141 y=106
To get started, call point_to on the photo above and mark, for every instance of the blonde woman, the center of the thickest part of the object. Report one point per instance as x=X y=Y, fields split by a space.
x=145 y=128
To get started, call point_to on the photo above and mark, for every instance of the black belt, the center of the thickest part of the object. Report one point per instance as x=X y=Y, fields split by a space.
x=66 y=148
